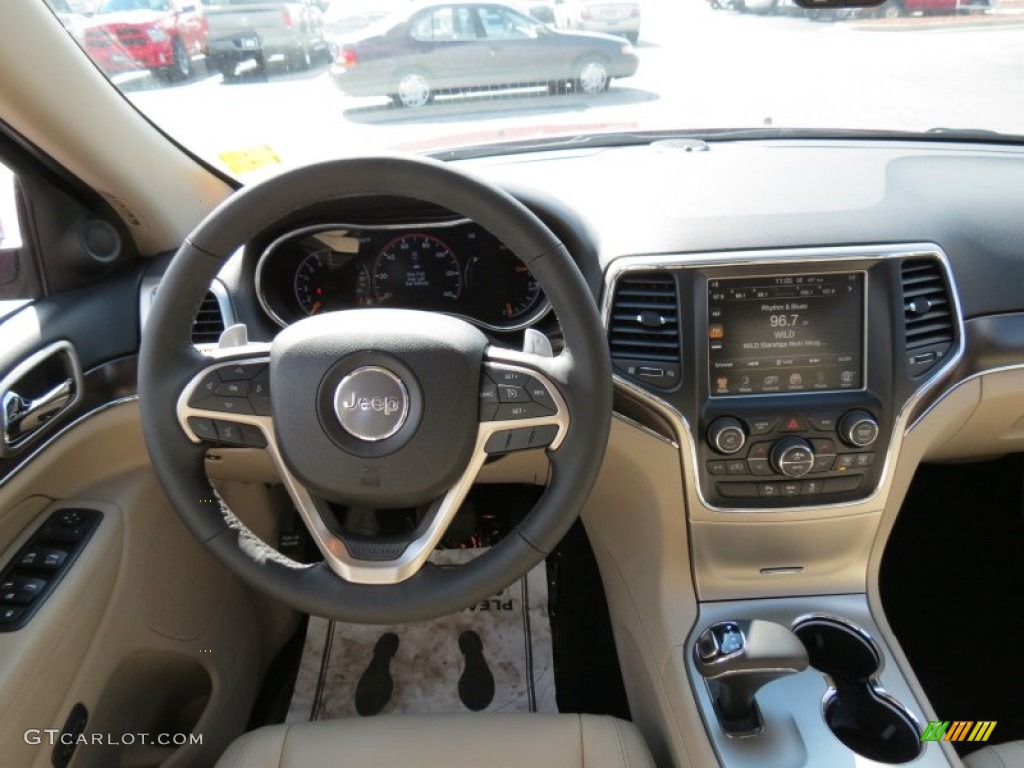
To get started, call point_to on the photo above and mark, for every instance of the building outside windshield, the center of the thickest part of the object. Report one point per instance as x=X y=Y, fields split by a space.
x=255 y=86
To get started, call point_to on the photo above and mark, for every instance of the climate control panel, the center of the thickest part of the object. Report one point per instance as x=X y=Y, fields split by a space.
x=793 y=459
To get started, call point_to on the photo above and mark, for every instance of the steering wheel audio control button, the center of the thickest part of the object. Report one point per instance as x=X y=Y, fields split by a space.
x=206 y=388
x=520 y=439
x=498 y=442
x=242 y=371
x=225 y=404
x=541 y=437
x=233 y=389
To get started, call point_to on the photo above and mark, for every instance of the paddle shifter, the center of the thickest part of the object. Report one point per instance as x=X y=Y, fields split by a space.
x=737 y=658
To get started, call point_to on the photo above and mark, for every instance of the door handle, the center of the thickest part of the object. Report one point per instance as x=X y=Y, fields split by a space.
x=26 y=417
x=22 y=416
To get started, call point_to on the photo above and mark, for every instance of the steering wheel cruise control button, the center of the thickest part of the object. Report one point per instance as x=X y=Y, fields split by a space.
x=539 y=394
x=516 y=411
x=488 y=391
x=508 y=378
x=507 y=394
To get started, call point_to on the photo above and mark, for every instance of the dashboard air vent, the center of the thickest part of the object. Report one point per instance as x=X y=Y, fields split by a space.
x=643 y=330
x=209 y=322
x=927 y=314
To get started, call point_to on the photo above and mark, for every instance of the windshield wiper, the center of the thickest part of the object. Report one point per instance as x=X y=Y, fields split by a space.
x=632 y=138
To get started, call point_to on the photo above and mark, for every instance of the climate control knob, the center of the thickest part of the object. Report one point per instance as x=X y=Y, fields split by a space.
x=792 y=457
x=726 y=435
x=858 y=429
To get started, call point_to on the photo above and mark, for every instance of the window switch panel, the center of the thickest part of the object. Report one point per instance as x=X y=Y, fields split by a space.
x=38 y=567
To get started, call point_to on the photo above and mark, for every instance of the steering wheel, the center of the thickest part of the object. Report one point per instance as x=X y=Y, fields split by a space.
x=377 y=408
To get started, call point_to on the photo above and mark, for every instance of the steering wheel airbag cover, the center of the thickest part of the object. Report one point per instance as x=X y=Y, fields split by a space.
x=436 y=356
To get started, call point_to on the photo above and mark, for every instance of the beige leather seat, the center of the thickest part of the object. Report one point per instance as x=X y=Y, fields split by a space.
x=1008 y=755
x=444 y=741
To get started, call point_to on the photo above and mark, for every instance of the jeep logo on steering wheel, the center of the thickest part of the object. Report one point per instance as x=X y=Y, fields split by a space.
x=371 y=403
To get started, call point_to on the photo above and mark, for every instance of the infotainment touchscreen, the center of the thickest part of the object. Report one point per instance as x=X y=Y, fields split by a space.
x=792 y=333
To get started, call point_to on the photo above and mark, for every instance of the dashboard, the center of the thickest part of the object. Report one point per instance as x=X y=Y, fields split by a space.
x=789 y=328
x=456 y=267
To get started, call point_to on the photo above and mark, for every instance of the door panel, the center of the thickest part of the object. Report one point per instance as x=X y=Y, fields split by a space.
x=38 y=662
x=142 y=585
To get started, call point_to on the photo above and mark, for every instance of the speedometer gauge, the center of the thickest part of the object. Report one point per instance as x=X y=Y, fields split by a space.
x=417 y=271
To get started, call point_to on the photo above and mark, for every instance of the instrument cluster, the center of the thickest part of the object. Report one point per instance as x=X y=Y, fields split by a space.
x=453 y=267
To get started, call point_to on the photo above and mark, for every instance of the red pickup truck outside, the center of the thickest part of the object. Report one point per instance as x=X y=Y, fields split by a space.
x=163 y=36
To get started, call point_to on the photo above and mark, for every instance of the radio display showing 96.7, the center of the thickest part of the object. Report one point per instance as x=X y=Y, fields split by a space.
x=792 y=333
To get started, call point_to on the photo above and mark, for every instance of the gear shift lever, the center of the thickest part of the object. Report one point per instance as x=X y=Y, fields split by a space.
x=737 y=658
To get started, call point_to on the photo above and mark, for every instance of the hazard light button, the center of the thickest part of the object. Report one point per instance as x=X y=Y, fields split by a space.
x=792 y=424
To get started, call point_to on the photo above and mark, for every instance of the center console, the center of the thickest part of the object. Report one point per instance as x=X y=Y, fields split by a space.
x=787 y=381
x=790 y=372
x=786 y=411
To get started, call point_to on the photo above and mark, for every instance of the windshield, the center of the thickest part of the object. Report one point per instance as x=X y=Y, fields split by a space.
x=263 y=85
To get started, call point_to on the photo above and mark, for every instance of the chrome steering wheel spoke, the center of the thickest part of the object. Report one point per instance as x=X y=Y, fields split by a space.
x=227 y=403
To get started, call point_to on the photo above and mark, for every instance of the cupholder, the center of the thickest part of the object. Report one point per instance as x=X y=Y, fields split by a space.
x=861 y=714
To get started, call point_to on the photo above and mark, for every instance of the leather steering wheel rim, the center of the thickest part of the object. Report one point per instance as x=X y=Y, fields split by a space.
x=581 y=372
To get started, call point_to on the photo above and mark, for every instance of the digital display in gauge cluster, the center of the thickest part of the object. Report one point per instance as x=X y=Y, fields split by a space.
x=460 y=269
x=787 y=333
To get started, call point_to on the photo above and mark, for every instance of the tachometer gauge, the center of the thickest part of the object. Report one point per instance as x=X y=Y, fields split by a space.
x=504 y=287
x=326 y=281
x=417 y=271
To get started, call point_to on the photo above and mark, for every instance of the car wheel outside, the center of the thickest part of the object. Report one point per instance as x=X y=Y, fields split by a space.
x=413 y=90
x=893 y=9
x=592 y=76
x=181 y=66
x=300 y=60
